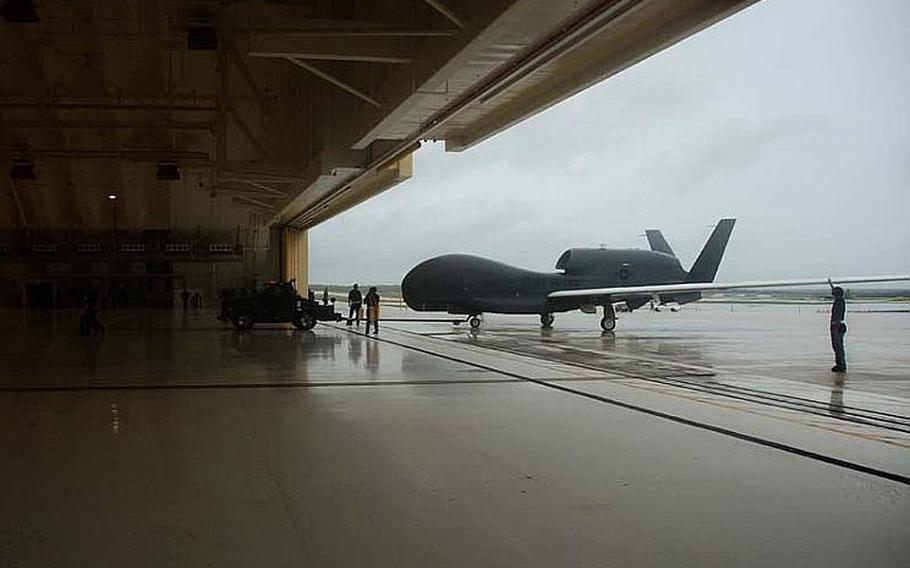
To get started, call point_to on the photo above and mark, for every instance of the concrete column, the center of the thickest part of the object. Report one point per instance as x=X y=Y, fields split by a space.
x=296 y=258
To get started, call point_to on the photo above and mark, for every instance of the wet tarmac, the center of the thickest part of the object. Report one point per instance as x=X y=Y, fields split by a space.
x=786 y=342
x=176 y=440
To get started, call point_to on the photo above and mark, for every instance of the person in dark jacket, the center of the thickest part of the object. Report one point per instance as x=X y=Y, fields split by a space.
x=355 y=302
x=84 y=308
x=838 y=328
x=372 y=302
x=89 y=324
x=226 y=296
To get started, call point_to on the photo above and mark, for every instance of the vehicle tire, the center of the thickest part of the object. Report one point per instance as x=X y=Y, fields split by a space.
x=608 y=324
x=546 y=320
x=244 y=321
x=305 y=321
x=475 y=322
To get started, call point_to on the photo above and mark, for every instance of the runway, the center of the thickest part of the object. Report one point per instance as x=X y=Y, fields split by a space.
x=176 y=440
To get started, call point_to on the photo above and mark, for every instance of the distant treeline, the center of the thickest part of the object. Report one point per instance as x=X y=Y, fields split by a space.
x=340 y=291
x=795 y=295
x=824 y=294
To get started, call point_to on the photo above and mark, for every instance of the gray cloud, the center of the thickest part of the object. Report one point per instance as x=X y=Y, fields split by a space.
x=791 y=116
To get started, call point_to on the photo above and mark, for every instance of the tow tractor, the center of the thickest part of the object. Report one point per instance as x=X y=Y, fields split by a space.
x=277 y=302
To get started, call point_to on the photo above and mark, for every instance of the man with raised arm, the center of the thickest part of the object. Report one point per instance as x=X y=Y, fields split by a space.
x=838 y=328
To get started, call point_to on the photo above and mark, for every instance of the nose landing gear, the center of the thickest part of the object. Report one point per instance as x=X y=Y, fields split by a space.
x=475 y=321
x=546 y=320
x=608 y=322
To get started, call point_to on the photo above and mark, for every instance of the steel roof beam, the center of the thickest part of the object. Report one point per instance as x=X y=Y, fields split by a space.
x=366 y=49
x=335 y=81
x=64 y=125
x=355 y=32
x=253 y=201
x=445 y=11
x=134 y=155
x=316 y=56
x=258 y=187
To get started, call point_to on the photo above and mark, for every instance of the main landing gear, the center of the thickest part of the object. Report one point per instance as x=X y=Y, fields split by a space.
x=608 y=322
x=546 y=321
x=475 y=321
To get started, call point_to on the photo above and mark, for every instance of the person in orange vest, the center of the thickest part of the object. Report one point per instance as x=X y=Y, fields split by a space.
x=372 y=302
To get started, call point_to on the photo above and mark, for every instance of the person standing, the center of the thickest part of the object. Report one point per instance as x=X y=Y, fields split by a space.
x=94 y=323
x=225 y=299
x=838 y=328
x=185 y=298
x=84 y=309
x=89 y=324
x=372 y=302
x=355 y=303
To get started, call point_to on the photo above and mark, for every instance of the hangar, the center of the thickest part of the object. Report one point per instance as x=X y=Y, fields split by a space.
x=150 y=147
x=156 y=146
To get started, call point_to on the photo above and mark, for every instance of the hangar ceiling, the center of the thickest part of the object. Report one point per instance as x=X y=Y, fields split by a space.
x=283 y=112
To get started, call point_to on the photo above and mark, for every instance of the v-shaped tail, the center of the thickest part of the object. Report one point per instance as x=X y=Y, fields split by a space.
x=705 y=267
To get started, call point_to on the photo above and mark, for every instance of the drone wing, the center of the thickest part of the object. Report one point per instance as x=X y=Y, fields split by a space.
x=655 y=289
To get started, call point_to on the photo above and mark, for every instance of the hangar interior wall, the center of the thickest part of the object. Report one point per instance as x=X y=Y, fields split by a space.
x=154 y=146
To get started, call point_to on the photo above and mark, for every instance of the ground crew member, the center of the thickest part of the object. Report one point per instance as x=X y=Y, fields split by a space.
x=225 y=297
x=838 y=328
x=355 y=303
x=88 y=318
x=372 y=302
x=83 y=316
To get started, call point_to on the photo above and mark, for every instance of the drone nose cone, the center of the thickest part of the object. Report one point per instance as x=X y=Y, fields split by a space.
x=422 y=286
x=410 y=287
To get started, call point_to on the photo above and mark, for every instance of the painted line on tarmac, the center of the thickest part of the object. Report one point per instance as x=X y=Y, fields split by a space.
x=878 y=419
x=715 y=388
x=831 y=460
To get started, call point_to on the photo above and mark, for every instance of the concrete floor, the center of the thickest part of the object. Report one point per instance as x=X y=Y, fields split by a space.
x=176 y=441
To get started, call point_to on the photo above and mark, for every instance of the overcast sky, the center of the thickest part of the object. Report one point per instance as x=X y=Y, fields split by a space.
x=792 y=116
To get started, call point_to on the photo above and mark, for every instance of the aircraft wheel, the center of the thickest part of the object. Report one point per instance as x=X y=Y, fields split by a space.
x=244 y=321
x=546 y=321
x=608 y=324
x=305 y=321
x=475 y=322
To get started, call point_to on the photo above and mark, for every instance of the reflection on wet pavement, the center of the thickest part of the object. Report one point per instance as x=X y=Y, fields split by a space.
x=777 y=349
x=160 y=349
x=771 y=355
x=149 y=449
